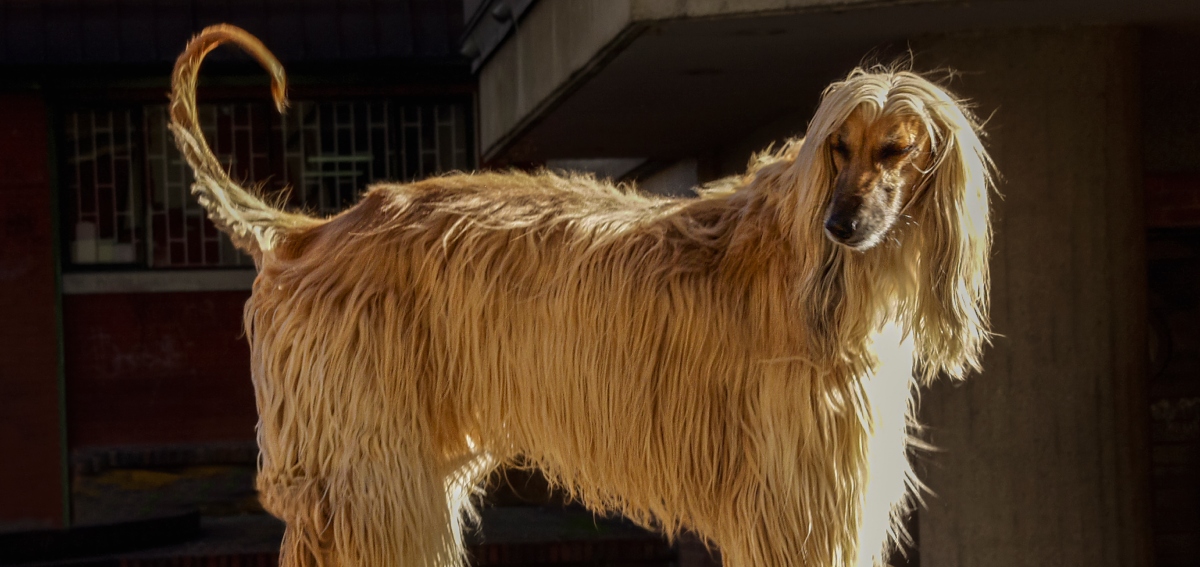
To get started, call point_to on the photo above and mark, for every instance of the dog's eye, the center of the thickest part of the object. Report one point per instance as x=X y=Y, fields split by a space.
x=896 y=151
x=839 y=148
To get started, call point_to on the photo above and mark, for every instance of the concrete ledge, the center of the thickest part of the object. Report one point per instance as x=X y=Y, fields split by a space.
x=559 y=44
x=488 y=26
x=658 y=10
x=157 y=282
x=644 y=78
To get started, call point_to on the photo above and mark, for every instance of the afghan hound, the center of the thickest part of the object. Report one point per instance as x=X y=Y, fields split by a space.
x=740 y=365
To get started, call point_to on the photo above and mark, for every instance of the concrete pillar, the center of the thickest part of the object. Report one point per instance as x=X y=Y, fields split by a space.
x=1042 y=457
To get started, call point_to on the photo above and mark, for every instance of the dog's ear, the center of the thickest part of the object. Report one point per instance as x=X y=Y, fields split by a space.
x=954 y=241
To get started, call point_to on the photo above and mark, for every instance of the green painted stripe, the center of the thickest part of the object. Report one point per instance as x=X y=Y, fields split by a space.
x=52 y=159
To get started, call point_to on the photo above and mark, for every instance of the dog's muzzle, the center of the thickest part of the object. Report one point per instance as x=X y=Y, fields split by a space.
x=842 y=223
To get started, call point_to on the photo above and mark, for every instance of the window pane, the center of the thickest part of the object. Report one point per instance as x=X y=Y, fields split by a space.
x=104 y=223
x=333 y=150
x=181 y=235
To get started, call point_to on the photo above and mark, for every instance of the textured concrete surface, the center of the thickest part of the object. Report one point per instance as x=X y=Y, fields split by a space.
x=1041 y=458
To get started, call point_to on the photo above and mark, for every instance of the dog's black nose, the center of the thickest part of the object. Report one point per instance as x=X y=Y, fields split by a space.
x=841 y=227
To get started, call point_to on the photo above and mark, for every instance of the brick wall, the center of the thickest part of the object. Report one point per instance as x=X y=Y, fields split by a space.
x=157 y=368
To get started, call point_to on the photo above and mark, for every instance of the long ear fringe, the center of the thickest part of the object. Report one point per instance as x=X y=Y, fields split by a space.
x=950 y=319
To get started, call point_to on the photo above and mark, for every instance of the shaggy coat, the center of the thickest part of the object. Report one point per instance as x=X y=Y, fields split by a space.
x=712 y=364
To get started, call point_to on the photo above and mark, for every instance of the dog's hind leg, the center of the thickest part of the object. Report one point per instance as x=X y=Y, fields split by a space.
x=388 y=512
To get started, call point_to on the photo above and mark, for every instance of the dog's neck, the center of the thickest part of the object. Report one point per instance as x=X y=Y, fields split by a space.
x=862 y=292
x=845 y=296
x=840 y=296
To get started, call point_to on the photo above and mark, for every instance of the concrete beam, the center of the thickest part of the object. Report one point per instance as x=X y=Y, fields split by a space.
x=559 y=44
x=644 y=10
x=165 y=281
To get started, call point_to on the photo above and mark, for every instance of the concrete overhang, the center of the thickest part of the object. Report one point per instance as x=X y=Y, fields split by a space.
x=663 y=79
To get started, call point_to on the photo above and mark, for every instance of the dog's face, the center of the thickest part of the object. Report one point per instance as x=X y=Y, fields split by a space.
x=878 y=163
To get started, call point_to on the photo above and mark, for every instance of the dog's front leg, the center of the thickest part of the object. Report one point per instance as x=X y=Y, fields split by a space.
x=889 y=389
x=793 y=500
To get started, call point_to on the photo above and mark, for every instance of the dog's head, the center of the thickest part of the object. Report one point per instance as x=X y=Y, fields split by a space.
x=879 y=160
x=886 y=142
x=893 y=180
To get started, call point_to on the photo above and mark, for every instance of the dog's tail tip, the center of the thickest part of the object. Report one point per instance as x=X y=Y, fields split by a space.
x=278 y=86
x=278 y=93
x=254 y=225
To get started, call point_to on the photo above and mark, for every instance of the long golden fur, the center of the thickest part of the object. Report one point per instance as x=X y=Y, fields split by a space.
x=715 y=364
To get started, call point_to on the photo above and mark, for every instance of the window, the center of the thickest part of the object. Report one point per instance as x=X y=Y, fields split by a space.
x=129 y=200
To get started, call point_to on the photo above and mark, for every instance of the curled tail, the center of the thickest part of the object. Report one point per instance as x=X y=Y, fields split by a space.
x=254 y=225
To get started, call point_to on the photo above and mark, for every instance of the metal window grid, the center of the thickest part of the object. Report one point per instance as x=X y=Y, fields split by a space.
x=104 y=184
x=326 y=153
x=180 y=234
x=433 y=139
x=332 y=150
